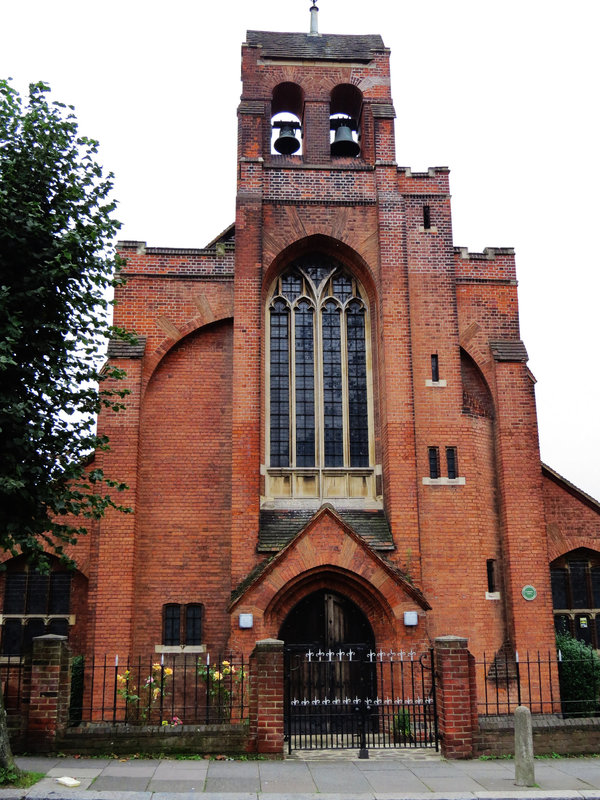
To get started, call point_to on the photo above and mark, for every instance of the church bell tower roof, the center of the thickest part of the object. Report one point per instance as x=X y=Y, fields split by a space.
x=326 y=46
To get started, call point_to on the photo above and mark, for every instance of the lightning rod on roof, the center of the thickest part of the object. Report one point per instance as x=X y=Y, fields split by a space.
x=314 y=19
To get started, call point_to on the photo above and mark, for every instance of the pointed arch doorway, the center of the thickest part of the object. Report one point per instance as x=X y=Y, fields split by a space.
x=342 y=693
x=327 y=620
x=327 y=670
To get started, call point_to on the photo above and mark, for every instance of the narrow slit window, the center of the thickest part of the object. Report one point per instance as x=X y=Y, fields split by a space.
x=434 y=462
x=426 y=217
x=491 y=575
x=435 y=368
x=452 y=462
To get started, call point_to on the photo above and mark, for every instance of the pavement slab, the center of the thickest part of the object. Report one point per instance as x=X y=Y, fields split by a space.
x=461 y=784
x=235 y=784
x=121 y=783
x=176 y=785
x=339 y=778
x=390 y=781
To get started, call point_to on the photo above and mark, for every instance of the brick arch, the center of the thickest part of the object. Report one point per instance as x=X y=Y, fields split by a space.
x=327 y=553
x=367 y=597
x=484 y=366
x=152 y=361
x=592 y=546
x=329 y=246
x=313 y=85
x=480 y=388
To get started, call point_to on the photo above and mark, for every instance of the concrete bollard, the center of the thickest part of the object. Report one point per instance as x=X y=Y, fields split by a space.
x=524 y=767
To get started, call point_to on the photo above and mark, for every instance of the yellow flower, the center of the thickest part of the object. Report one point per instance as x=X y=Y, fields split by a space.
x=156 y=693
x=217 y=676
x=168 y=671
x=226 y=670
x=156 y=667
x=225 y=663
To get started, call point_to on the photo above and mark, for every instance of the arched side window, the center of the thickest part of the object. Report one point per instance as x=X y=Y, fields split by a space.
x=34 y=604
x=575 y=581
x=319 y=382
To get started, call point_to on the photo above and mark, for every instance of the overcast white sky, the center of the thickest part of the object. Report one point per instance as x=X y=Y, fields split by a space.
x=504 y=93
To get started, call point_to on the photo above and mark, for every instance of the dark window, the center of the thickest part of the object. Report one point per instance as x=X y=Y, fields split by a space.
x=452 y=462
x=579 y=584
x=491 y=575
x=305 y=385
x=30 y=593
x=575 y=581
x=171 y=624
x=182 y=624
x=357 y=387
x=193 y=624
x=318 y=354
x=559 y=579
x=426 y=217
x=434 y=462
x=435 y=368
x=280 y=386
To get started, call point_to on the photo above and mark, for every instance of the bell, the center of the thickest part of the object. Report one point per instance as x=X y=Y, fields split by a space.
x=286 y=143
x=344 y=144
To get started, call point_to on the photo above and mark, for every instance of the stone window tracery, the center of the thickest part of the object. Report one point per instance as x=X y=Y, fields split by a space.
x=319 y=374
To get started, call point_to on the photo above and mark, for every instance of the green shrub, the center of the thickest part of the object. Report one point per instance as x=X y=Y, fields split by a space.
x=579 y=676
x=76 y=705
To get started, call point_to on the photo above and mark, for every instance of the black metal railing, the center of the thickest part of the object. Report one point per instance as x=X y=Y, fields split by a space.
x=14 y=677
x=547 y=683
x=353 y=696
x=167 y=690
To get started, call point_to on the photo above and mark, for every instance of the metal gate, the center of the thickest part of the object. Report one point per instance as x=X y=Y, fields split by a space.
x=355 y=696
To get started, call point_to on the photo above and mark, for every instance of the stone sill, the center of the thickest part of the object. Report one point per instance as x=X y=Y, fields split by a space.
x=444 y=481
x=180 y=649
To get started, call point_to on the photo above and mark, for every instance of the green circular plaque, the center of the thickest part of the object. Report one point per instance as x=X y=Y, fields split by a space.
x=529 y=592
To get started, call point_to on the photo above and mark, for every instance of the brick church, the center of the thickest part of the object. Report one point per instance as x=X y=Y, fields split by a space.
x=331 y=435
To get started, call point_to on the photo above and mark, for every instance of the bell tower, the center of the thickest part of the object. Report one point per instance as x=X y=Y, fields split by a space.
x=315 y=129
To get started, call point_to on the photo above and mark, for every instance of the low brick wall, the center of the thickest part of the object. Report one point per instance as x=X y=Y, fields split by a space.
x=551 y=734
x=126 y=739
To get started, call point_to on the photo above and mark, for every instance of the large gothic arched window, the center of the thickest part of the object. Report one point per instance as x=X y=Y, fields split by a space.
x=318 y=369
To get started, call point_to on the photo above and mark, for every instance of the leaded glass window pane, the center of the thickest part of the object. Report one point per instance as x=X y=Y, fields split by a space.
x=33 y=627
x=342 y=288
x=333 y=419
x=193 y=624
x=280 y=386
x=14 y=593
x=291 y=287
x=579 y=588
x=305 y=386
x=558 y=578
x=171 y=624
x=37 y=593
x=60 y=593
x=358 y=417
x=59 y=627
x=595 y=571
x=12 y=636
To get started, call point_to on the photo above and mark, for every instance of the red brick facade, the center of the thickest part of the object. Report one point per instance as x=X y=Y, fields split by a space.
x=193 y=443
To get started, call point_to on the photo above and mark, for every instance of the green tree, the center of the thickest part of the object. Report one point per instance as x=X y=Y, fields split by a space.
x=57 y=266
x=579 y=676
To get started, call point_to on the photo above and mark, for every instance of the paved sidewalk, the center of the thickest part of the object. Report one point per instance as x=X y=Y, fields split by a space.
x=340 y=775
